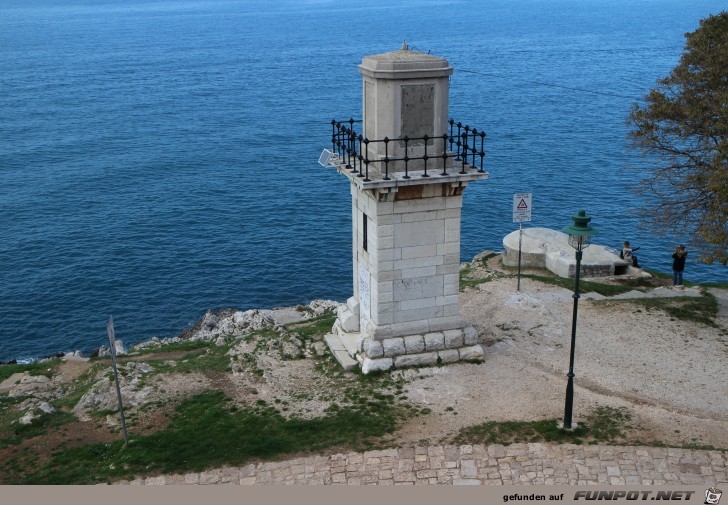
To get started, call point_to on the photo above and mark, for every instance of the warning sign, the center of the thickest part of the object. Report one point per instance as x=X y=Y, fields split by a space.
x=521 y=207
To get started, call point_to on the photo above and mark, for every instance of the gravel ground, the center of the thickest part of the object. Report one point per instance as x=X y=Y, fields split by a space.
x=669 y=374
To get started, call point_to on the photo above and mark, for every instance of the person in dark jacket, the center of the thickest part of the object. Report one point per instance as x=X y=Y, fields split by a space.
x=627 y=254
x=678 y=265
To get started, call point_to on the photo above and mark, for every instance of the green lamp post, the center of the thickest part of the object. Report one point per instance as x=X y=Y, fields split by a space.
x=580 y=234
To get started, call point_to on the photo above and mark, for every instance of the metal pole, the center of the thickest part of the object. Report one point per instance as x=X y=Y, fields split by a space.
x=112 y=340
x=520 y=240
x=568 y=406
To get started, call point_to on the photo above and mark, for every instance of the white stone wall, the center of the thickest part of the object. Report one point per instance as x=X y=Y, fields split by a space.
x=413 y=257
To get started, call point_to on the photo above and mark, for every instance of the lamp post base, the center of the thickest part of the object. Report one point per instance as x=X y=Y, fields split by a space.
x=574 y=426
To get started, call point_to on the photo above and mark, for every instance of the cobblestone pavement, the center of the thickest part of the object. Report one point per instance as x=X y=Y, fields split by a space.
x=478 y=465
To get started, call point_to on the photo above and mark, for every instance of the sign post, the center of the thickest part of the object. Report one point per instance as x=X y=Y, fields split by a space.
x=521 y=213
x=112 y=349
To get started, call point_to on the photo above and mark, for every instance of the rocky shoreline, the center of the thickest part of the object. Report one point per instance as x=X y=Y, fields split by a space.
x=211 y=326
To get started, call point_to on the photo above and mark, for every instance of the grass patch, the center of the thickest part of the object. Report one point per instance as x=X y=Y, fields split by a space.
x=703 y=309
x=469 y=278
x=314 y=327
x=584 y=286
x=208 y=431
x=603 y=425
x=46 y=368
x=204 y=356
x=13 y=433
x=188 y=345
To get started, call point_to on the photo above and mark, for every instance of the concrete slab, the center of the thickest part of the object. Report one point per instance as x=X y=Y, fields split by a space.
x=550 y=249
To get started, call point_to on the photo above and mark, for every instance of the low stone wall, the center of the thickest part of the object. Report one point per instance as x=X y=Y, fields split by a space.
x=444 y=347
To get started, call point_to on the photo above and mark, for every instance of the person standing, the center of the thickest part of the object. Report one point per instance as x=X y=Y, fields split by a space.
x=678 y=265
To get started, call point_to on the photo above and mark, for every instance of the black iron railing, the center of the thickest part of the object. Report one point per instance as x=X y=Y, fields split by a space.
x=353 y=149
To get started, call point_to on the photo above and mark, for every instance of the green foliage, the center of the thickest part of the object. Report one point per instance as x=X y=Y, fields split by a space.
x=314 y=327
x=684 y=124
x=703 y=309
x=12 y=432
x=206 y=357
x=207 y=431
x=603 y=425
x=584 y=286
x=36 y=368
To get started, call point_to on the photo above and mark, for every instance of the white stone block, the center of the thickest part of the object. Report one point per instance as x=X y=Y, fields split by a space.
x=450 y=310
x=454 y=202
x=449 y=355
x=412 y=273
x=387 y=297
x=353 y=305
x=451 y=259
x=413 y=217
x=423 y=205
x=452 y=234
x=446 y=323
x=414 y=344
x=449 y=213
x=420 y=233
x=449 y=269
x=434 y=341
x=419 y=251
x=385 y=208
x=386 y=230
x=393 y=347
x=413 y=288
x=448 y=248
x=407 y=328
x=373 y=348
x=376 y=365
x=451 y=284
x=349 y=322
x=420 y=261
x=407 y=360
x=417 y=303
x=453 y=338
x=448 y=300
x=392 y=275
x=403 y=316
x=470 y=336
x=472 y=352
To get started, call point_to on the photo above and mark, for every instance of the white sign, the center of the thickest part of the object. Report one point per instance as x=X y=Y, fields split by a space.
x=521 y=207
x=364 y=297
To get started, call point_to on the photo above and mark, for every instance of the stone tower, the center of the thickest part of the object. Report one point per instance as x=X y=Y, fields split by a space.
x=407 y=170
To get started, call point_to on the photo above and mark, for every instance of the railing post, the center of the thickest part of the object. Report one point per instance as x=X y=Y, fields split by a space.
x=366 y=161
x=425 y=157
x=406 y=157
x=386 y=158
x=482 y=150
x=444 y=154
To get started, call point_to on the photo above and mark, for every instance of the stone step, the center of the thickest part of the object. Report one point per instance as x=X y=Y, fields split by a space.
x=340 y=353
x=349 y=342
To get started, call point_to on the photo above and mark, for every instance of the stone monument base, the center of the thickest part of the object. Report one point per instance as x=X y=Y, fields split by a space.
x=350 y=347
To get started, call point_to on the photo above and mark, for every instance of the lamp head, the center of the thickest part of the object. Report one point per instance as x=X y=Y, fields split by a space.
x=580 y=232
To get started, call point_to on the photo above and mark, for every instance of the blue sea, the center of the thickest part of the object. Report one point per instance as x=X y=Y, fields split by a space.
x=158 y=158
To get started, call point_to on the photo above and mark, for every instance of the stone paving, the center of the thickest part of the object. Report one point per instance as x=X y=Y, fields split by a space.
x=539 y=464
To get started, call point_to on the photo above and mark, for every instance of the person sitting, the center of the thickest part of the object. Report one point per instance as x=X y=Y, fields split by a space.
x=627 y=254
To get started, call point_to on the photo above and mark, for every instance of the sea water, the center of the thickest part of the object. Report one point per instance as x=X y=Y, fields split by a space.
x=158 y=158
